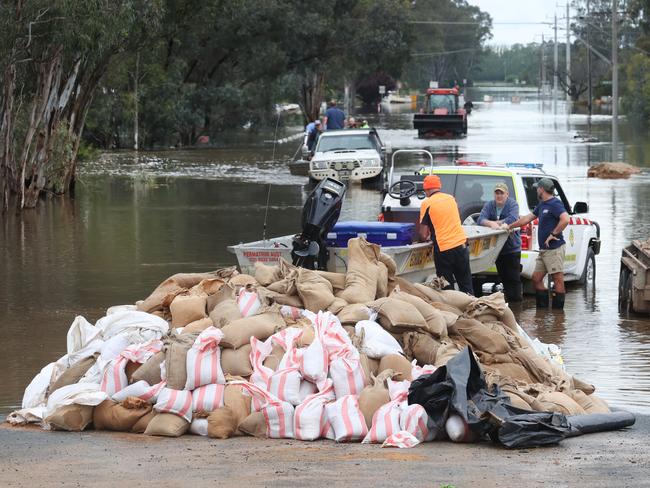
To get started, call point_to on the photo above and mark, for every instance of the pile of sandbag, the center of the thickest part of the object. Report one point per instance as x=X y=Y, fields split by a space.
x=289 y=353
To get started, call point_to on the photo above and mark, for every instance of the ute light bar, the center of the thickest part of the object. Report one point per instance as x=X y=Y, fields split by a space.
x=464 y=162
x=525 y=165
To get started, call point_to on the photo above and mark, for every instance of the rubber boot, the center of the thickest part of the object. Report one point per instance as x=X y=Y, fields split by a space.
x=513 y=292
x=558 y=301
x=541 y=299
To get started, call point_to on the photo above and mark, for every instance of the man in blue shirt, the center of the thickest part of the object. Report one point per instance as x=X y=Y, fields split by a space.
x=495 y=213
x=312 y=131
x=334 y=117
x=553 y=219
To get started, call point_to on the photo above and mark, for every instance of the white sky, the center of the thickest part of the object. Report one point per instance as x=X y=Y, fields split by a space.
x=522 y=11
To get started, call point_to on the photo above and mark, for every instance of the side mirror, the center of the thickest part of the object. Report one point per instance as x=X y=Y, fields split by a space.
x=580 y=208
x=305 y=151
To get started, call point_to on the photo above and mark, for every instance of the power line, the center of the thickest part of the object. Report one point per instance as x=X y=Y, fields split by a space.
x=440 y=53
x=462 y=22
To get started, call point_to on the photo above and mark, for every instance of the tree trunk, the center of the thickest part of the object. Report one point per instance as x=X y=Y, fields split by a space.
x=312 y=96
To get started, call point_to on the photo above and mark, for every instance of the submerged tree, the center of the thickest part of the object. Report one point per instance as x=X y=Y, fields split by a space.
x=53 y=55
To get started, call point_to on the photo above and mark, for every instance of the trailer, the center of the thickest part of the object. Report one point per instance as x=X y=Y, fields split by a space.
x=634 y=278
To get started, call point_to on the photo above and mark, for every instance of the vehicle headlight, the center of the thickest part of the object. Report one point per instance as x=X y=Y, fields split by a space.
x=369 y=163
x=319 y=164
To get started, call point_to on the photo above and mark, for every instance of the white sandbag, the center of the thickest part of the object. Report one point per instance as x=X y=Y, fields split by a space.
x=248 y=302
x=137 y=389
x=385 y=422
x=78 y=394
x=315 y=359
x=377 y=342
x=137 y=326
x=81 y=333
x=418 y=371
x=401 y=439
x=178 y=402
x=36 y=391
x=285 y=385
x=307 y=388
x=259 y=352
x=199 y=427
x=120 y=308
x=413 y=419
x=114 y=378
x=347 y=374
x=278 y=414
x=203 y=360
x=309 y=416
x=208 y=398
x=111 y=349
x=346 y=419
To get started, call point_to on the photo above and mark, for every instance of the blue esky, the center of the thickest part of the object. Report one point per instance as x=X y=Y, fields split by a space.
x=522 y=11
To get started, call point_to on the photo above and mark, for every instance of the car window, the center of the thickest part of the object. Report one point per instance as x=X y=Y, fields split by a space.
x=348 y=142
x=531 y=192
x=475 y=190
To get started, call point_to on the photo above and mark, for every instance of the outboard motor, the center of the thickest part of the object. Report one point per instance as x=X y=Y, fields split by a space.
x=320 y=213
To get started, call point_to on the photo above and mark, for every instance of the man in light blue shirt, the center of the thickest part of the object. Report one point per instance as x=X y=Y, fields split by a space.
x=505 y=210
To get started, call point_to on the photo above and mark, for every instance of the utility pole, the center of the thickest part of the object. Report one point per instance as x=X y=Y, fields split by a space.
x=614 y=80
x=555 y=78
x=135 y=98
x=589 y=88
x=568 y=59
x=542 y=74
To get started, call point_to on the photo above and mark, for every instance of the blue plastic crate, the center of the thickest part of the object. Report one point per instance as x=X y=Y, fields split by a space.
x=385 y=234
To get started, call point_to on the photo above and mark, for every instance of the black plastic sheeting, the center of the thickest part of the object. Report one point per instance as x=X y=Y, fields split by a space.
x=460 y=388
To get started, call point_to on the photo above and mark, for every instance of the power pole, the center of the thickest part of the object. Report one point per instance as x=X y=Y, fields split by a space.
x=589 y=88
x=614 y=80
x=555 y=78
x=542 y=75
x=568 y=59
x=135 y=98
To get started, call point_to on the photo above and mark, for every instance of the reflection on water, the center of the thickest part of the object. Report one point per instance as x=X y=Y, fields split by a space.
x=136 y=220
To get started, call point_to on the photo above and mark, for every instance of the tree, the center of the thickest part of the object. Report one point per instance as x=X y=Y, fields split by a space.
x=53 y=56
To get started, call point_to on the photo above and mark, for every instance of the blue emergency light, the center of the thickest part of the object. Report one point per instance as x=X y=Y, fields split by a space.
x=525 y=165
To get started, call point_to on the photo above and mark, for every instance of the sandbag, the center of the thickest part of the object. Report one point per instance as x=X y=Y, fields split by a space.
x=265 y=274
x=290 y=300
x=375 y=342
x=272 y=361
x=242 y=280
x=173 y=285
x=238 y=402
x=206 y=287
x=143 y=422
x=382 y=281
x=481 y=338
x=74 y=418
x=225 y=312
x=445 y=352
x=337 y=280
x=513 y=371
x=421 y=347
x=370 y=367
x=397 y=316
x=150 y=370
x=559 y=402
x=398 y=364
x=167 y=425
x=315 y=291
x=351 y=314
x=254 y=424
x=436 y=324
x=226 y=292
x=186 y=309
x=374 y=396
x=198 y=326
x=589 y=403
x=120 y=417
x=362 y=275
x=262 y=326
x=176 y=362
x=73 y=374
x=337 y=305
x=222 y=423
x=456 y=298
x=237 y=362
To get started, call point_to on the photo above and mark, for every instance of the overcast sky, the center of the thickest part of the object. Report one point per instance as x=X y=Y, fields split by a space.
x=521 y=11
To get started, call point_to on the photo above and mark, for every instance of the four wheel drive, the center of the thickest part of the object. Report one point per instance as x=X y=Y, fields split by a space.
x=442 y=116
x=347 y=155
x=472 y=184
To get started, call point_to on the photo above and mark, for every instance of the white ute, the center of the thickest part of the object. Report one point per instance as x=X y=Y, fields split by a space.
x=347 y=155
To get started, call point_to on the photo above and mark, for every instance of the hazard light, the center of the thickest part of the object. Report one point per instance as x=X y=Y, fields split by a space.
x=526 y=237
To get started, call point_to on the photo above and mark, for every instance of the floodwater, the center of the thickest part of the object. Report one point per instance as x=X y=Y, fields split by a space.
x=138 y=219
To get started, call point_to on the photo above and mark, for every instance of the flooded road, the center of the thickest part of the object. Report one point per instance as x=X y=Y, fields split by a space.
x=137 y=220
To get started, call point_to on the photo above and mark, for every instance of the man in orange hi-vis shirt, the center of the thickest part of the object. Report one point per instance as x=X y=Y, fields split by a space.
x=440 y=221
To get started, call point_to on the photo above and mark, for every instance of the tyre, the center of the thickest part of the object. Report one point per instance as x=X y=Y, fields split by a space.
x=625 y=291
x=588 y=277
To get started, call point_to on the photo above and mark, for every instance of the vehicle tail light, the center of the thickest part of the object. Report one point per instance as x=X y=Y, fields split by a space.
x=380 y=217
x=526 y=237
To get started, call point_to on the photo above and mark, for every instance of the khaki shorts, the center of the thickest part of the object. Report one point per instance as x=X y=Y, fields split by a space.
x=550 y=261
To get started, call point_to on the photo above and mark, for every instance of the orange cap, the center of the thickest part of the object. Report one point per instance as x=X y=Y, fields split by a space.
x=432 y=182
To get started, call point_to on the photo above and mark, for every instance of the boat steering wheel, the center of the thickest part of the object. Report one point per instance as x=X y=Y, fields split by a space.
x=403 y=189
